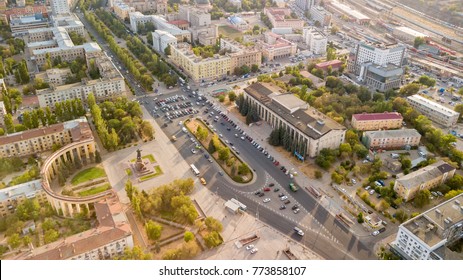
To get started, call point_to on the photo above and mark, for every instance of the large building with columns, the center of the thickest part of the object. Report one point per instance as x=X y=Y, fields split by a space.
x=309 y=130
x=32 y=141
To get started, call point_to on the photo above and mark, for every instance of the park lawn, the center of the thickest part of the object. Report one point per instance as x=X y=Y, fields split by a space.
x=158 y=170
x=230 y=32
x=150 y=176
x=95 y=190
x=87 y=175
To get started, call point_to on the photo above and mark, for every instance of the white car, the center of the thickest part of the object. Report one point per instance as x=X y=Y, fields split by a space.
x=266 y=200
x=242 y=138
x=220 y=135
x=193 y=151
x=283 y=198
x=374 y=233
x=249 y=247
x=372 y=191
x=255 y=250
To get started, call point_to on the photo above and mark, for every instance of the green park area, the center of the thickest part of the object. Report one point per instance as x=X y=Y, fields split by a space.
x=95 y=190
x=87 y=175
x=230 y=32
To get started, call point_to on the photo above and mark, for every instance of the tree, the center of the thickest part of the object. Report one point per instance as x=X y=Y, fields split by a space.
x=188 y=236
x=135 y=253
x=243 y=169
x=224 y=153
x=345 y=149
x=401 y=216
x=14 y=241
x=201 y=133
x=129 y=189
x=212 y=239
x=9 y=125
x=231 y=96
x=50 y=235
x=330 y=53
x=153 y=230
x=422 y=198
x=409 y=89
x=167 y=50
x=97 y=157
x=254 y=68
x=360 y=219
x=221 y=98
x=459 y=108
x=427 y=81
x=418 y=42
x=147 y=130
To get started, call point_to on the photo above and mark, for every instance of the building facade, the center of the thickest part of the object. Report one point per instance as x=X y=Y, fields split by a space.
x=305 y=5
x=20 y=25
x=434 y=111
x=423 y=179
x=321 y=15
x=391 y=139
x=376 y=54
x=11 y=197
x=162 y=39
x=315 y=40
x=382 y=78
x=428 y=235
x=278 y=18
x=309 y=130
x=377 y=121
x=60 y=7
x=122 y=10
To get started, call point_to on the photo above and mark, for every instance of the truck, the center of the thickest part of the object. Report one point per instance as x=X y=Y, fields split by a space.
x=293 y=187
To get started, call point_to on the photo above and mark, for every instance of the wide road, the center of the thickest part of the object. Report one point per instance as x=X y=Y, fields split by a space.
x=323 y=233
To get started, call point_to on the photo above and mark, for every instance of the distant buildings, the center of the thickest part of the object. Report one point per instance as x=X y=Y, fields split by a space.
x=122 y=10
x=195 y=16
x=351 y=14
x=377 y=121
x=315 y=40
x=391 y=139
x=238 y=22
x=434 y=111
x=425 y=178
x=275 y=46
x=162 y=39
x=2 y=113
x=160 y=23
x=428 y=235
x=321 y=15
x=309 y=130
x=60 y=7
x=11 y=197
x=334 y=64
x=158 y=6
x=281 y=17
x=21 y=24
x=407 y=34
x=305 y=5
x=42 y=139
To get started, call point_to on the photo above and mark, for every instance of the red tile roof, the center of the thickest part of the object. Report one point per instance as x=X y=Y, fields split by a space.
x=178 y=22
x=28 y=10
x=328 y=63
x=377 y=116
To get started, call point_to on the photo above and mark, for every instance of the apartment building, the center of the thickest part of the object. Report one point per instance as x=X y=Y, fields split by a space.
x=305 y=5
x=377 y=121
x=434 y=111
x=11 y=197
x=429 y=235
x=195 y=16
x=275 y=47
x=309 y=130
x=279 y=18
x=49 y=33
x=2 y=113
x=59 y=7
x=32 y=141
x=55 y=76
x=158 y=6
x=315 y=40
x=107 y=241
x=321 y=15
x=423 y=179
x=162 y=39
x=391 y=139
x=205 y=35
x=122 y=10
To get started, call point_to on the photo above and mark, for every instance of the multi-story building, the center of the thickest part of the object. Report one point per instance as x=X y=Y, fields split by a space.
x=160 y=23
x=122 y=10
x=353 y=15
x=59 y=7
x=17 y=12
x=275 y=47
x=391 y=139
x=238 y=22
x=408 y=186
x=162 y=39
x=2 y=113
x=195 y=16
x=29 y=142
x=55 y=76
x=376 y=54
x=315 y=40
x=429 y=235
x=309 y=130
x=11 y=197
x=107 y=241
x=321 y=15
x=19 y=25
x=382 y=77
x=158 y=6
x=240 y=55
x=279 y=18
x=434 y=111
x=377 y=121
x=305 y=5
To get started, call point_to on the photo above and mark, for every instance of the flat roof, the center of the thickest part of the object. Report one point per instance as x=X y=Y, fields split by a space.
x=348 y=10
x=377 y=116
x=328 y=63
x=28 y=189
x=433 y=105
x=411 y=31
x=410 y=132
x=425 y=174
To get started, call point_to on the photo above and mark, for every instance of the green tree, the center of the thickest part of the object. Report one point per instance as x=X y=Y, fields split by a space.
x=188 y=236
x=212 y=239
x=232 y=96
x=243 y=169
x=129 y=189
x=459 y=109
x=97 y=157
x=224 y=153
x=418 y=42
x=345 y=149
x=14 y=241
x=360 y=219
x=254 y=68
x=153 y=230
x=330 y=53
x=50 y=235
x=427 y=81
x=422 y=198
x=401 y=216
x=409 y=89
x=221 y=98
x=135 y=253
x=201 y=133
x=9 y=125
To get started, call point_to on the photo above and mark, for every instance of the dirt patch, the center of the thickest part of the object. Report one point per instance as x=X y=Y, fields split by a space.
x=234 y=110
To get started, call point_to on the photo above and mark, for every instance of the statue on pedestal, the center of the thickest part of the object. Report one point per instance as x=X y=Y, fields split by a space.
x=139 y=166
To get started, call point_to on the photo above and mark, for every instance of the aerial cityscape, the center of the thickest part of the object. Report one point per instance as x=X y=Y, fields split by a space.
x=231 y=130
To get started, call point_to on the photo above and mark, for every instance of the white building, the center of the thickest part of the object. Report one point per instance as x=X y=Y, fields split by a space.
x=160 y=23
x=428 y=235
x=321 y=15
x=162 y=39
x=2 y=113
x=315 y=40
x=11 y=197
x=407 y=34
x=309 y=130
x=195 y=16
x=305 y=5
x=434 y=111
x=59 y=7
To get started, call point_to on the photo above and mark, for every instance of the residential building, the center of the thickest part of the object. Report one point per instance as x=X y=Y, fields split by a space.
x=195 y=16
x=429 y=235
x=377 y=121
x=32 y=141
x=162 y=39
x=315 y=40
x=281 y=17
x=107 y=241
x=60 y=7
x=122 y=10
x=305 y=5
x=321 y=15
x=407 y=34
x=434 y=111
x=160 y=23
x=408 y=186
x=309 y=130
x=353 y=15
x=55 y=76
x=334 y=64
x=182 y=24
x=18 y=12
x=205 y=35
x=158 y=6
x=19 y=25
x=11 y=197
x=2 y=113
x=391 y=139
x=275 y=47
x=49 y=33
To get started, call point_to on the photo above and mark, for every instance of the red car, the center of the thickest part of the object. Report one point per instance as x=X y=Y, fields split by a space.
x=266 y=189
x=276 y=163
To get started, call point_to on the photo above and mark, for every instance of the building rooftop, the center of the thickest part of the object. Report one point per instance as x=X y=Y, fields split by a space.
x=425 y=174
x=377 y=116
x=348 y=10
x=328 y=63
x=380 y=134
x=411 y=31
x=433 y=105
x=316 y=80
x=28 y=189
x=309 y=121
x=433 y=225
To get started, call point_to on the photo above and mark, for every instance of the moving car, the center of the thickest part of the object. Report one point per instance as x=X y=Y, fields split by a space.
x=249 y=247
x=255 y=250
x=203 y=181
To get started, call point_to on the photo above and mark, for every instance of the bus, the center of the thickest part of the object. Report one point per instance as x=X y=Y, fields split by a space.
x=195 y=170
x=240 y=205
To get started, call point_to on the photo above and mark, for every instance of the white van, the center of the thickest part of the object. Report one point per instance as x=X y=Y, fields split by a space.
x=184 y=129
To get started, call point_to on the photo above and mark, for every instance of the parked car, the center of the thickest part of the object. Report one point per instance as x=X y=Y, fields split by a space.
x=266 y=200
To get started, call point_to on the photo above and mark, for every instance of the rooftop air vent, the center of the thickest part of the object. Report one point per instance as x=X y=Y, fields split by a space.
x=438 y=212
x=320 y=122
x=457 y=202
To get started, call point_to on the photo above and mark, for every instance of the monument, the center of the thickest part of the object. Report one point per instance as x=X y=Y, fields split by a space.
x=139 y=165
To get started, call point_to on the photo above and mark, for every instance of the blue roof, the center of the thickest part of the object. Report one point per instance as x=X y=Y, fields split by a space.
x=235 y=19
